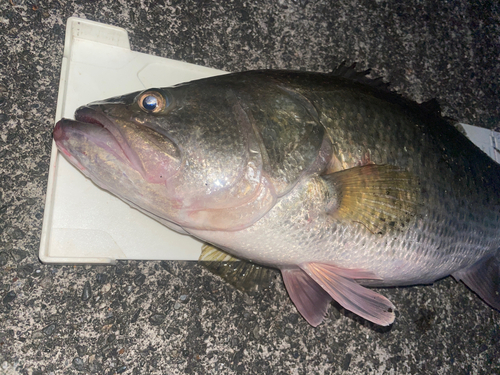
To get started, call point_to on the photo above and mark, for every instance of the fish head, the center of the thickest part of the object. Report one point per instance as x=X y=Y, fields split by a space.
x=185 y=154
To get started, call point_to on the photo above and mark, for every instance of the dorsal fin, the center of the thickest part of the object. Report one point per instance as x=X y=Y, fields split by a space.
x=428 y=108
x=350 y=73
x=431 y=106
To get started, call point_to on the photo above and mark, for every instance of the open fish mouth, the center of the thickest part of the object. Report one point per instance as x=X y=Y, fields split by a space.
x=92 y=131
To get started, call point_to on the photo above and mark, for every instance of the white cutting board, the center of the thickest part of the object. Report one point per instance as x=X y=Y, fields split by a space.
x=84 y=224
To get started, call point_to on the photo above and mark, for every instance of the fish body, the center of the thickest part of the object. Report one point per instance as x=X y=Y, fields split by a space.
x=337 y=183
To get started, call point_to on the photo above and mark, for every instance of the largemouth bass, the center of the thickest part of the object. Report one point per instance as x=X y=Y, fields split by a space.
x=338 y=184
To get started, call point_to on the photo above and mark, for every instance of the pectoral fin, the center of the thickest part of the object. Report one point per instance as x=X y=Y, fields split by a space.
x=381 y=197
x=483 y=278
x=340 y=285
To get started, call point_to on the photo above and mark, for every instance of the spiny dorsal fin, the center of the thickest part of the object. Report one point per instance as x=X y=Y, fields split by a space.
x=350 y=73
x=429 y=108
x=432 y=106
x=381 y=197
x=243 y=275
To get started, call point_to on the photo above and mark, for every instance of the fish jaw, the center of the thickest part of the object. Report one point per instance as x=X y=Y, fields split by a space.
x=104 y=151
x=123 y=139
x=90 y=129
x=127 y=156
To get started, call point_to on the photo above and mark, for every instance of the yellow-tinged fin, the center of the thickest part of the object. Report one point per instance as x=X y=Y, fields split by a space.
x=243 y=275
x=383 y=198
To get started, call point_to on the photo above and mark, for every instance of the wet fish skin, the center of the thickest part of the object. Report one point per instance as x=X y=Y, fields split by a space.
x=336 y=183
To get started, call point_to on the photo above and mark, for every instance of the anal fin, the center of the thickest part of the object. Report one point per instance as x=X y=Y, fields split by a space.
x=309 y=298
x=483 y=277
x=340 y=284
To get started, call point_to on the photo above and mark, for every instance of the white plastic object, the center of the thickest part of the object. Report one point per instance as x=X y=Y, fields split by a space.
x=487 y=140
x=82 y=223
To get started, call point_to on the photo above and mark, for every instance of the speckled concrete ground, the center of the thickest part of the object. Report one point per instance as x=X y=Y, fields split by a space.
x=176 y=318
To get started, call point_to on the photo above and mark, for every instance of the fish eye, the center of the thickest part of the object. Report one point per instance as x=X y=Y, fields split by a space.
x=152 y=102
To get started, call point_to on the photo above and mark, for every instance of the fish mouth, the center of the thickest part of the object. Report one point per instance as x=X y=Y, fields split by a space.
x=97 y=129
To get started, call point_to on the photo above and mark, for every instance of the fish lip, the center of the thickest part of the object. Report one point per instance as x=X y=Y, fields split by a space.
x=93 y=116
x=89 y=115
x=59 y=137
x=58 y=133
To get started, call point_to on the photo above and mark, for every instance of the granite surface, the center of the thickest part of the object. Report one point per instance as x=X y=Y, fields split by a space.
x=176 y=318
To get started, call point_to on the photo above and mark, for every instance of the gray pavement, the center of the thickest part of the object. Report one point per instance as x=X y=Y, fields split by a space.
x=176 y=318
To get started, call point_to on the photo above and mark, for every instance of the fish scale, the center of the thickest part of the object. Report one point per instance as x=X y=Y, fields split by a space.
x=338 y=183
